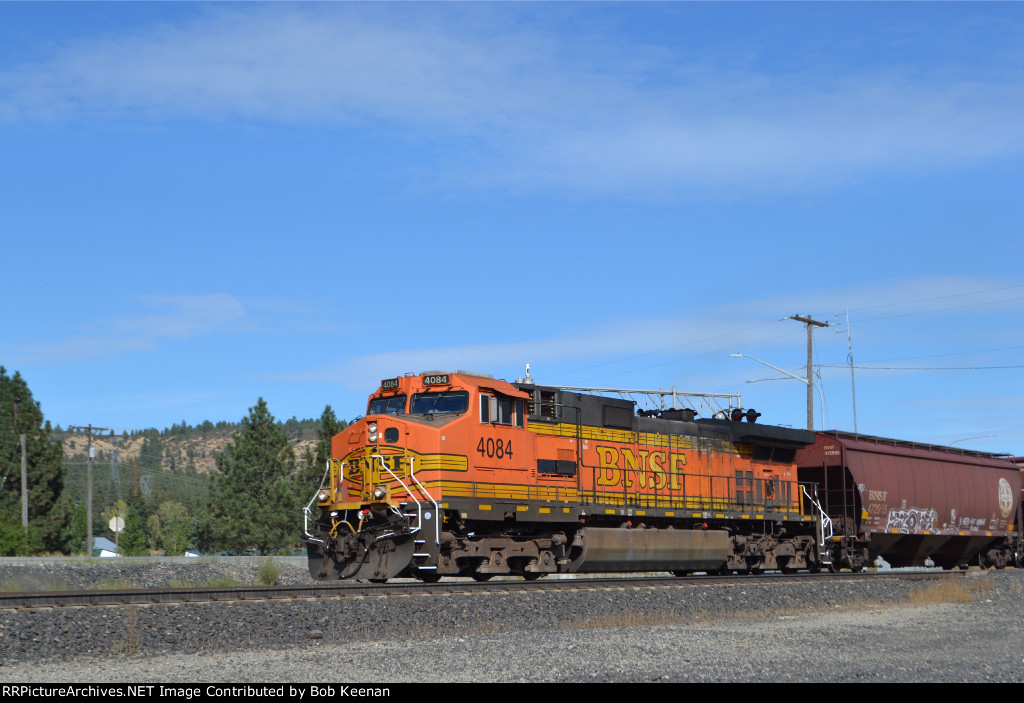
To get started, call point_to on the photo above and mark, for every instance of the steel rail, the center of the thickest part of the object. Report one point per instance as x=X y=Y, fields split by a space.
x=150 y=596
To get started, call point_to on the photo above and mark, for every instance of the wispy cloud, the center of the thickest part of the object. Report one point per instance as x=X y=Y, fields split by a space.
x=168 y=317
x=539 y=109
x=179 y=316
x=626 y=347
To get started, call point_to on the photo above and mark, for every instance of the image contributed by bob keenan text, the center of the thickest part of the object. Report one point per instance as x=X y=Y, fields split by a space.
x=196 y=691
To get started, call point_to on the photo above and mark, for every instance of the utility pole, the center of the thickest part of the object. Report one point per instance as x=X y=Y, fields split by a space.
x=24 y=485
x=24 y=471
x=88 y=491
x=811 y=324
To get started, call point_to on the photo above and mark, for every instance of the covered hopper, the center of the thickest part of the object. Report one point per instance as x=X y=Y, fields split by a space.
x=907 y=502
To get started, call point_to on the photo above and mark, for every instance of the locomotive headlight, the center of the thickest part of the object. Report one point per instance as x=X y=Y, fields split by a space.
x=379 y=492
x=322 y=496
x=372 y=431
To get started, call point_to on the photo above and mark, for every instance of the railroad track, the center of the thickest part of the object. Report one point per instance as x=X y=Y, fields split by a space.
x=147 y=596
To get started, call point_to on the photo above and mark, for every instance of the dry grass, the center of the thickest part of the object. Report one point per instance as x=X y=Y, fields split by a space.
x=131 y=641
x=948 y=590
x=951 y=590
x=16 y=585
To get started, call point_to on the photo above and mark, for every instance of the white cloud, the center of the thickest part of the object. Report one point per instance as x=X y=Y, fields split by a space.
x=540 y=109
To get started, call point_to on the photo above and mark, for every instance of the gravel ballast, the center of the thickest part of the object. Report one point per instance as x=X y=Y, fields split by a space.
x=765 y=630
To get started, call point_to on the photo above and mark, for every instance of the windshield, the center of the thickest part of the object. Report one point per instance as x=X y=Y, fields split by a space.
x=446 y=402
x=392 y=405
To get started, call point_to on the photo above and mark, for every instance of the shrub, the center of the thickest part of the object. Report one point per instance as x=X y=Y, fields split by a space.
x=269 y=572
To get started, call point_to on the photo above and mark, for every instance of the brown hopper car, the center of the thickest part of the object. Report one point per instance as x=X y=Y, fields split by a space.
x=909 y=502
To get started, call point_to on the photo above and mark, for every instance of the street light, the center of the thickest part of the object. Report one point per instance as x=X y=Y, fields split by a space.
x=967 y=439
x=806 y=382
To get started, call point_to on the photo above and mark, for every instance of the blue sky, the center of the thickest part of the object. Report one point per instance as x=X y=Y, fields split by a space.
x=203 y=204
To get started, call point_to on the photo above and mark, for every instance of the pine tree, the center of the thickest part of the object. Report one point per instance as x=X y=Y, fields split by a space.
x=252 y=502
x=315 y=463
x=49 y=515
x=133 y=540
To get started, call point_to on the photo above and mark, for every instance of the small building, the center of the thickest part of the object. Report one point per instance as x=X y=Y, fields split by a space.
x=103 y=547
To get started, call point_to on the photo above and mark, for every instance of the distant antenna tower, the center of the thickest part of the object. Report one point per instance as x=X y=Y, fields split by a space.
x=853 y=382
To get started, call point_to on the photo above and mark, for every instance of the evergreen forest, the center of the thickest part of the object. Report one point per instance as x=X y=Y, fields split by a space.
x=225 y=487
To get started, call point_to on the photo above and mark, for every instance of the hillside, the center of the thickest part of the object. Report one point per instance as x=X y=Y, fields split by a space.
x=180 y=448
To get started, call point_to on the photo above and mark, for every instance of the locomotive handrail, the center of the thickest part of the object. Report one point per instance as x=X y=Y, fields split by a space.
x=708 y=399
x=419 y=505
x=826 y=521
x=307 y=513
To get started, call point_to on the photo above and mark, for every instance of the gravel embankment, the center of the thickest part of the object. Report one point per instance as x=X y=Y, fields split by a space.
x=769 y=630
x=39 y=574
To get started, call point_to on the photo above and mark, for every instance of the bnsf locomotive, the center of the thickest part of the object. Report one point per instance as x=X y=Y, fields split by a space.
x=461 y=474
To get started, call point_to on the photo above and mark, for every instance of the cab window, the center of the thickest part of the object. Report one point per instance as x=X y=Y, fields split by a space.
x=391 y=405
x=502 y=410
x=444 y=402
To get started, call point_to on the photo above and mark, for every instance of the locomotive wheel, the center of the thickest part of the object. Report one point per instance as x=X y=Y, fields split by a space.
x=681 y=573
x=477 y=576
x=428 y=576
x=532 y=575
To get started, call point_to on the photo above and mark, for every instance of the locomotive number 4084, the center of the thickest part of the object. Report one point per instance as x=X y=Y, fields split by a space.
x=494 y=448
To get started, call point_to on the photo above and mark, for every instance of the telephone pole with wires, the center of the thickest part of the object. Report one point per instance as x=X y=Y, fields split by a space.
x=811 y=324
x=88 y=491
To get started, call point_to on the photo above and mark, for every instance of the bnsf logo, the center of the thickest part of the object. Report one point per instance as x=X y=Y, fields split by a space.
x=1005 y=497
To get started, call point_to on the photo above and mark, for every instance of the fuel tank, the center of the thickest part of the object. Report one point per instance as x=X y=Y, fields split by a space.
x=621 y=549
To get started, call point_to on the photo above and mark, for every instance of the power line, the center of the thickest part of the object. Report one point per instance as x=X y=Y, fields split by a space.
x=669 y=349
x=935 y=356
x=931 y=312
x=922 y=368
x=940 y=297
x=761 y=341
